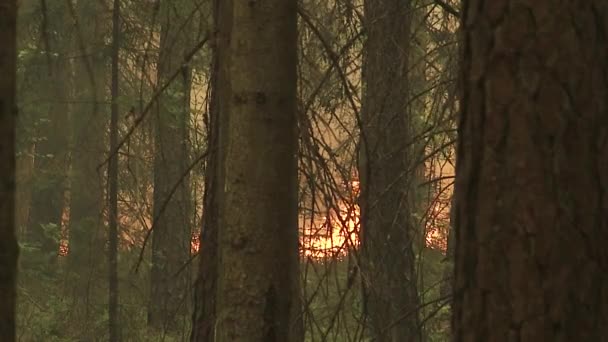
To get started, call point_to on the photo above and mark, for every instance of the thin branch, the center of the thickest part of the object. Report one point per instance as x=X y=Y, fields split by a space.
x=164 y=206
x=448 y=8
x=146 y=110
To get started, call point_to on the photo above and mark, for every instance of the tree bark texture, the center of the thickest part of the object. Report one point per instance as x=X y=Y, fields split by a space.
x=386 y=173
x=204 y=317
x=258 y=287
x=172 y=226
x=532 y=172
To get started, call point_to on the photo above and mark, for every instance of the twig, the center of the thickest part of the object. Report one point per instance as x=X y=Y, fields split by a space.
x=146 y=110
x=164 y=206
x=448 y=8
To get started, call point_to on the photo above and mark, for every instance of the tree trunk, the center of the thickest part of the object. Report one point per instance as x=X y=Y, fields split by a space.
x=532 y=173
x=206 y=285
x=172 y=226
x=8 y=113
x=113 y=233
x=87 y=234
x=258 y=288
x=386 y=174
x=89 y=124
x=51 y=157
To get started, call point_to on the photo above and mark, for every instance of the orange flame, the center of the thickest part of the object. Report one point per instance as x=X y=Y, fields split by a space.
x=335 y=234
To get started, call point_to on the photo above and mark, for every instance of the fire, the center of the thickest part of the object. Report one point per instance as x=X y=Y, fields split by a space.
x=195 y=243
x=334 y=234
x=64 y=249
x=437 y=226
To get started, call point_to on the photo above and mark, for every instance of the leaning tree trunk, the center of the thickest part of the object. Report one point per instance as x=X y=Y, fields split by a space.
x=258 y=287
x=532 y=173
x=8 y=114
x=386 y=174
x=172 y=227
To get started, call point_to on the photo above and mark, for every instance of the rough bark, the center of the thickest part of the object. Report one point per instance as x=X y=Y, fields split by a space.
x=172 y=226
x=386 y=174
x=258 y=287
x=532 y=173
x=8 y=113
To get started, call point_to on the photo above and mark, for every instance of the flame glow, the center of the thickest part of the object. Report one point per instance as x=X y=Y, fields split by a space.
x=332 y=235
x=335 y=234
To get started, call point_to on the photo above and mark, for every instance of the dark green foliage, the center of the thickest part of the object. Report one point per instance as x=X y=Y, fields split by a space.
x=47 y=312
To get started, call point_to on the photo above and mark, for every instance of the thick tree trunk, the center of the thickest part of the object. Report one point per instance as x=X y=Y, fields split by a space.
x=258 y=288
x=532 y=173
x=386 y=174
x=8 y=114
x=172 y=226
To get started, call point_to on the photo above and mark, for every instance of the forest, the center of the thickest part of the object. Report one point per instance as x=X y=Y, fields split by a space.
x=304 y=170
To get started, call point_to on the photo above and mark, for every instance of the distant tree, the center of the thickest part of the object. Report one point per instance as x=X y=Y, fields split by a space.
x=258 y=293
x=8 y=114
x=532 y=172
x=87 y=231
x=386 y=174
x=51 y=146
x=172 y=199
x=203 y=319
x=89 y=131
x=113 y=233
